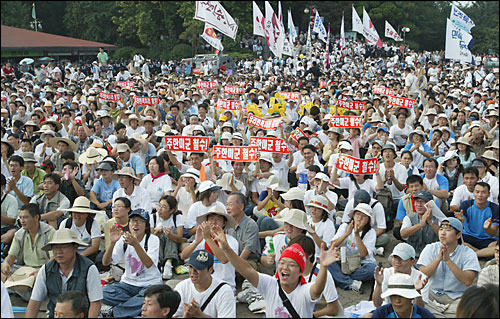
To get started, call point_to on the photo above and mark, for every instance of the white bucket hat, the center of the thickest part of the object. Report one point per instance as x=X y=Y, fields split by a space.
x=293 y=193
x=92 y=155
x=365 y=209
x=297 y=218
x=273 y=179
x=208 y=185
x=21 y=280
x=401 y=285
x=193 y=173
x=127 y=171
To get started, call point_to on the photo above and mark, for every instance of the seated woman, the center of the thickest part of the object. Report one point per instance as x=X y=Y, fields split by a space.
x=358 y=239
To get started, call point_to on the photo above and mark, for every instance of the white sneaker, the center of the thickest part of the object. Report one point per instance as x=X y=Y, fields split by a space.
x=167 y=272
x=379 y=251
x=356 y=286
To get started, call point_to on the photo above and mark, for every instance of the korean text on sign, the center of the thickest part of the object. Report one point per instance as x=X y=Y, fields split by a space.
x=146 y=100
x=110 y=96
x=270 y=124
x=291 y=95
x=207 y=85
x=346 y=121
x=297 y=133
x=382 y=90
x=125 y=84
x=236 y=153
x=234 y=90
x=229 y=105
x=187 y=143
x=355 y=165
x=401 y=102
x=269 y=144
x=351 y=105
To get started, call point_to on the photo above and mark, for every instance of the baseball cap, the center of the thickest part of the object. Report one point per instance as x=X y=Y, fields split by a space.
x=403 y=251
x=424 y=195
x=345 y=145
x=105 y=166
x=455 y=223
x=362 y=196
x=122 y=148
x=208 y=185
x=139 y=212
x=201 y=259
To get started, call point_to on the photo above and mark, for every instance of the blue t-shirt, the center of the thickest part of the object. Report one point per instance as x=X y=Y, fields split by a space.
x=387 y=311
x=401 y=213
x=137 y=164
x=105 y=192
x=475 y=218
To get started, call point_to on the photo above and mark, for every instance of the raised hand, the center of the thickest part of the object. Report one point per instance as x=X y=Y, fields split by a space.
x=420 y=283
x=115 y=233
x=350 y=227
x=328 y=256
x=199 y=234
x=220 y=236
x=460 y=215
x=487 y=223
x=205 y=227
x=378 y=274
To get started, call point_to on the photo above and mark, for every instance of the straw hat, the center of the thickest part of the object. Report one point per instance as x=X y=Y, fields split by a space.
x=55 y=140
x=44 y=129
x=57 y=124
x=127 y=171
x=64 y=236
x=31 y=123
x=401 y=285
x=81 y=205
x=462 y=140
x=365 y=209
x=92 y=155
x=21 y=279
x=490 y=155
x=224 y=182
x=131 y=117
x=149 y=119
x=218 y=210
x=297 y=218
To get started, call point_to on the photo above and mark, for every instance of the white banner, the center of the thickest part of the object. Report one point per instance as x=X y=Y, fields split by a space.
x=457 y=41
x=291 y=28
x=213 y=13
x=342 y=34
x=319 y=28
x=460 y=19
x=210 y=36
x=369 y=31
x=275 y=37
x=258 y=21
x=357 y=24
x=287 y=48
x=391 y=33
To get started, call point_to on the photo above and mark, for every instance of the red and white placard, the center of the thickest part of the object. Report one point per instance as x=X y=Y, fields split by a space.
x=125 y=84
x=269 y=144
x=270 y=124
x=145 y=100
x=401 y=102
x=207 y=84
x=346 y=121
x=351 y=105
x=291 y=95
x=229 y=105
x=110 y=96
x=234 y=90
x=187 y=143
x=382 y=90
x=358 y=166
x=322 y=84
x=236 y=153
x=297 y=133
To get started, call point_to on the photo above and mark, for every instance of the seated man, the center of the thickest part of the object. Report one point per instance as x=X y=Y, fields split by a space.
x=450 y=266
x=480 y=219
x=72 y=304
x=52 y=201
x=160 y=301
x=436 y=183
x=465 y=191
x=9 y=214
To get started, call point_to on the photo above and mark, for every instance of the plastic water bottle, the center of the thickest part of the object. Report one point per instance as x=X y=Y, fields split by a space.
x=303 y=181
x=269 y=243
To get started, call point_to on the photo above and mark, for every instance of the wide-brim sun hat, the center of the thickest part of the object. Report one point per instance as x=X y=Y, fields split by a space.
x=223 y=182
x=53 y=142
x=192 y=173
x=293 y=193
x=489 y=154
x=208 y=186
x=462 y=140
x=81 y=205
x=365 y=209
x=297 y=218
x=218 y=210
x=64 y=236
x=401 y=285
x=57 y=124
x=92 y=155
x=319 y=202
x=21 y=279
x=127 y=171
x=419 y=132
x=273 y=179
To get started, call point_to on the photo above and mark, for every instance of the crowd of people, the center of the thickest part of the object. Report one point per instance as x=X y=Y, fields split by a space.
x=90 y=186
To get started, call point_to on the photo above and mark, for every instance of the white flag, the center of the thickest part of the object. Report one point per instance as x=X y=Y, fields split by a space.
x=291 y=28
x=369 y=31
x=280 y=16
x=258 y=21
x=275 y=37
x=460 y=19
x=342 y=34
x=391 y=33
x=357 y=24
x=457 y=42
x=319 y=27
x=213 y=13
x=210 y=36
x=287 y=47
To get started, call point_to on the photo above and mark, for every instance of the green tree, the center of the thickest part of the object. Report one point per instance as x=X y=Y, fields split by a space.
x=16 y=14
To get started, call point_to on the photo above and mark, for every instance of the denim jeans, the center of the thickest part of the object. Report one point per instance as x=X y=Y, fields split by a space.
x=265 y=223
x=126 y=299
x=363 y=273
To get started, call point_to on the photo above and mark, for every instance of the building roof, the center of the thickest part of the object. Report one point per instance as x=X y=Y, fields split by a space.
x=16 y=39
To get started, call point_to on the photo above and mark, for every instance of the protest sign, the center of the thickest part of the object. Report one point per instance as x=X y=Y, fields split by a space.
x=346 y=121
x=236 y=153
x=125 y=84
x=291 y=95
x=322 y=84
x=229 y=105
x=382 y=90
x=269 y=144
x=352 y=105
x=207 y=85
x=110 y=96
x=187 y=143
x=144 y=100
x=355 y=165
x=401 y=102
x=297 y=133
x=265 y=124
x=234 y=90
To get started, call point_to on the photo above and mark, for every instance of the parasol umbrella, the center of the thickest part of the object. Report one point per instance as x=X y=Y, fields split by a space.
x=46 y=58
x=27 y=61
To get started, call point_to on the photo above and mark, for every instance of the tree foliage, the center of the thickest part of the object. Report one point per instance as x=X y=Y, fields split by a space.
x=158 y=26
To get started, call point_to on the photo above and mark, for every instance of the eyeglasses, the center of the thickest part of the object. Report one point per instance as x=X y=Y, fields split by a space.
x=138 y=221
x=163 y=206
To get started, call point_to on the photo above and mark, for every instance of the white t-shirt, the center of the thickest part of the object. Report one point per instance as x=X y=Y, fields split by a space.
x=368 y=185
x=300 y=298
x=378 y=213
x=281 y=170
x=325 y=230
x=184 y=201
x=395 y=133
x=196 y=210
x=136 y=274
x=330 y=291
x=156 y=189
x=82 y=233
x=352 y=248
x=493 y=181
x=332 y=197
x=222 y=305
x=169 y=223
x=138 y=199
x=401 y=175
x=388 y=272
x=460 y=194
x=224 y=272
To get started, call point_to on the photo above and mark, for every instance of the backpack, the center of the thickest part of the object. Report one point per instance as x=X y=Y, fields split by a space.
x=125 y=245
x=384 y=196
x=88 y=224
